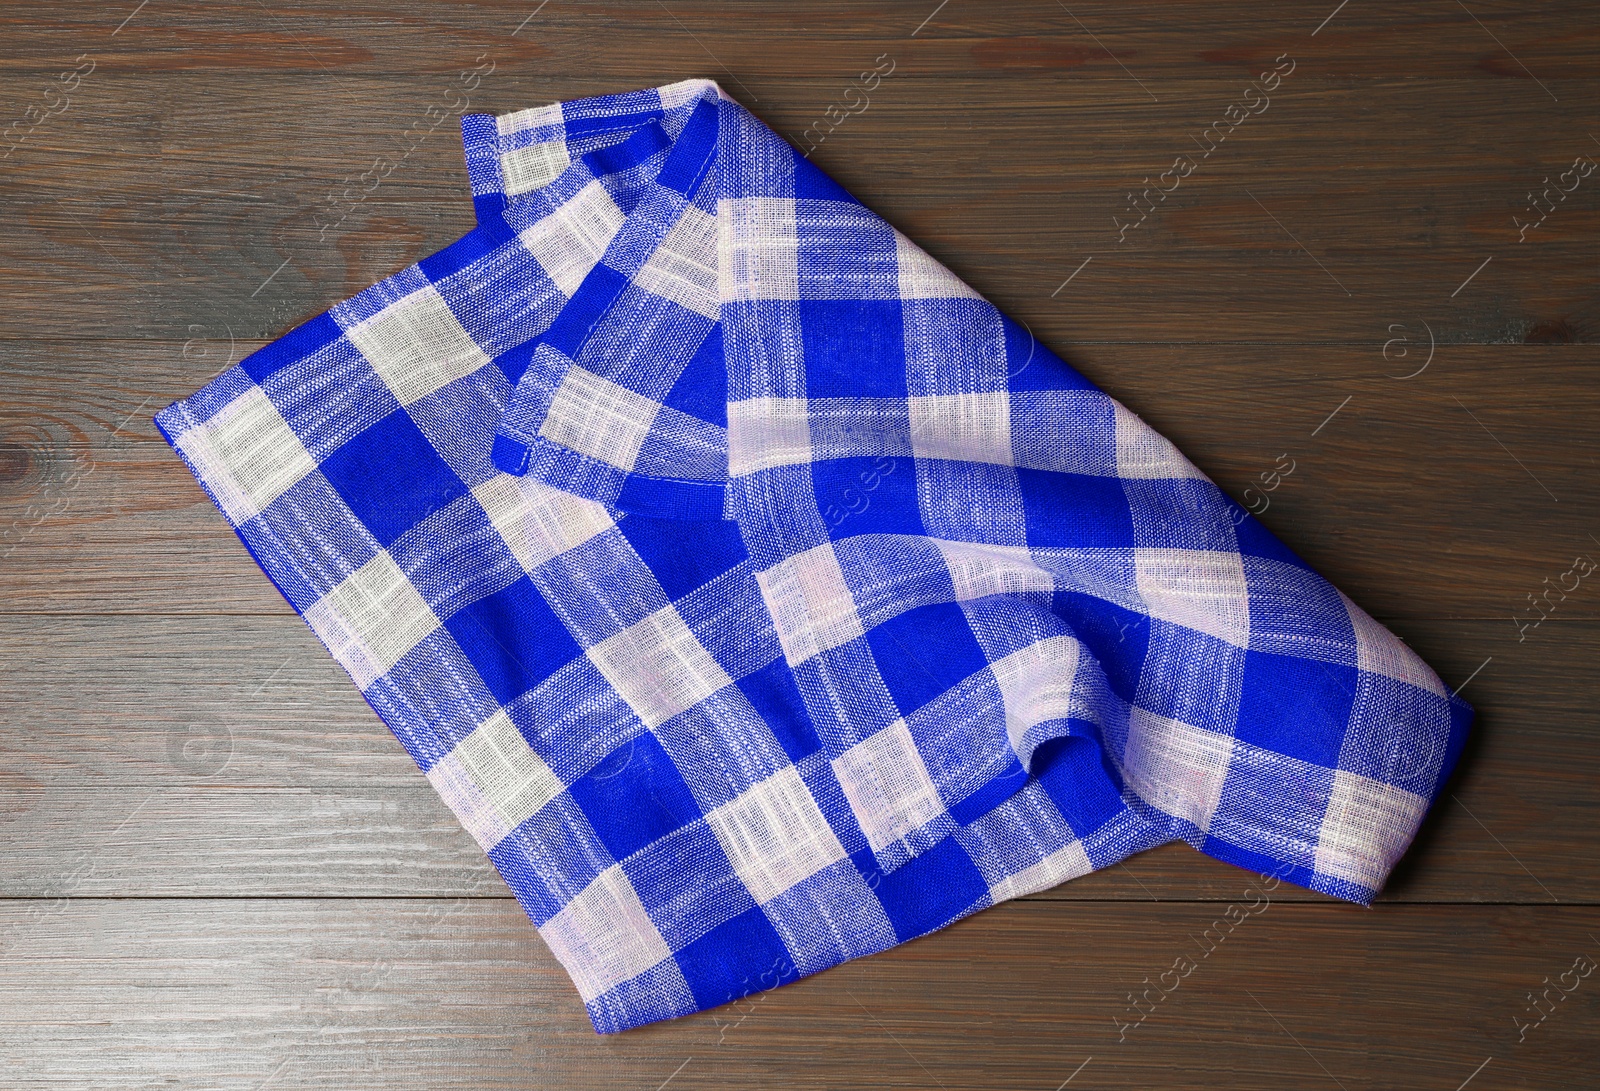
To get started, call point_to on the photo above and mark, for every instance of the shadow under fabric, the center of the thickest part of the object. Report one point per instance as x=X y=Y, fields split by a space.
x=761 y=597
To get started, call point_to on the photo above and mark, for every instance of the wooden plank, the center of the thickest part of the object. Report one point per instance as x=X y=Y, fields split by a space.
x=1094 y=41
x=216 y=756
x=150 y=702
x=244 y=993
x=212 y=212
x=165 y=842
x=1453 y=494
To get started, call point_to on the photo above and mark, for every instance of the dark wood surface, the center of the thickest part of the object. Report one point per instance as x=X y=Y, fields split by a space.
x=220 y=870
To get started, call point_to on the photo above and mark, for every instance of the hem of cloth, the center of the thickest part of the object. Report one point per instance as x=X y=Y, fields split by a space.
x=540 y=367
x=561 y=467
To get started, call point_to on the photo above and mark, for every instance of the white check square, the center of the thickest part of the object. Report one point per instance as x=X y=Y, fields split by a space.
x=527 y=169
x=978 y=570
x=1037 y=683
x=416 y=345
x=249 y=453
x=568 y=242
x=888 y=786
x=1200 y=589
x=659 y=667
x=962 y=427
x=604 y=936
x=1378 y=651
x=810 y=603
x=1142 y=452
x=684 y=267
x=1366 y=828
x=759 y=255
x=371 y=619
x=774 y=835
x=539 y=522
x=598 y=418
x=506 y=770
x=476 y=812
x=1176 y=767
x=1067 y=862
x=767 y=432
x=922 y=277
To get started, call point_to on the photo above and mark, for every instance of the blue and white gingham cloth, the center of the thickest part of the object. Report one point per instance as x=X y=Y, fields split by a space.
x=761 y=597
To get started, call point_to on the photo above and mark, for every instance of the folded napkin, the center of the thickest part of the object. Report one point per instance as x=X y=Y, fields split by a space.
x=760 y=597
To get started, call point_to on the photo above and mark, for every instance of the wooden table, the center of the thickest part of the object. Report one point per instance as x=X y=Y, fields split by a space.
x=221 y=871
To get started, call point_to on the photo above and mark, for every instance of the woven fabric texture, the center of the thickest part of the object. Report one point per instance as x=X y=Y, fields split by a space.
x=760 y=597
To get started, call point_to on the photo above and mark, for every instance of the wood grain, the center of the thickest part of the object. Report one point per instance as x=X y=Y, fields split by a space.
x=222 y=871
x=245 y=993
x=216 y=194
x=758 y=42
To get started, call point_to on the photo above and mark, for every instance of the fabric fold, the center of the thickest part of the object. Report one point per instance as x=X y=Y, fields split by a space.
x=622 y=399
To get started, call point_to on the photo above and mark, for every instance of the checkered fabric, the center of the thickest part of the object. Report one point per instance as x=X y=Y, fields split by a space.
x=759 y=597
